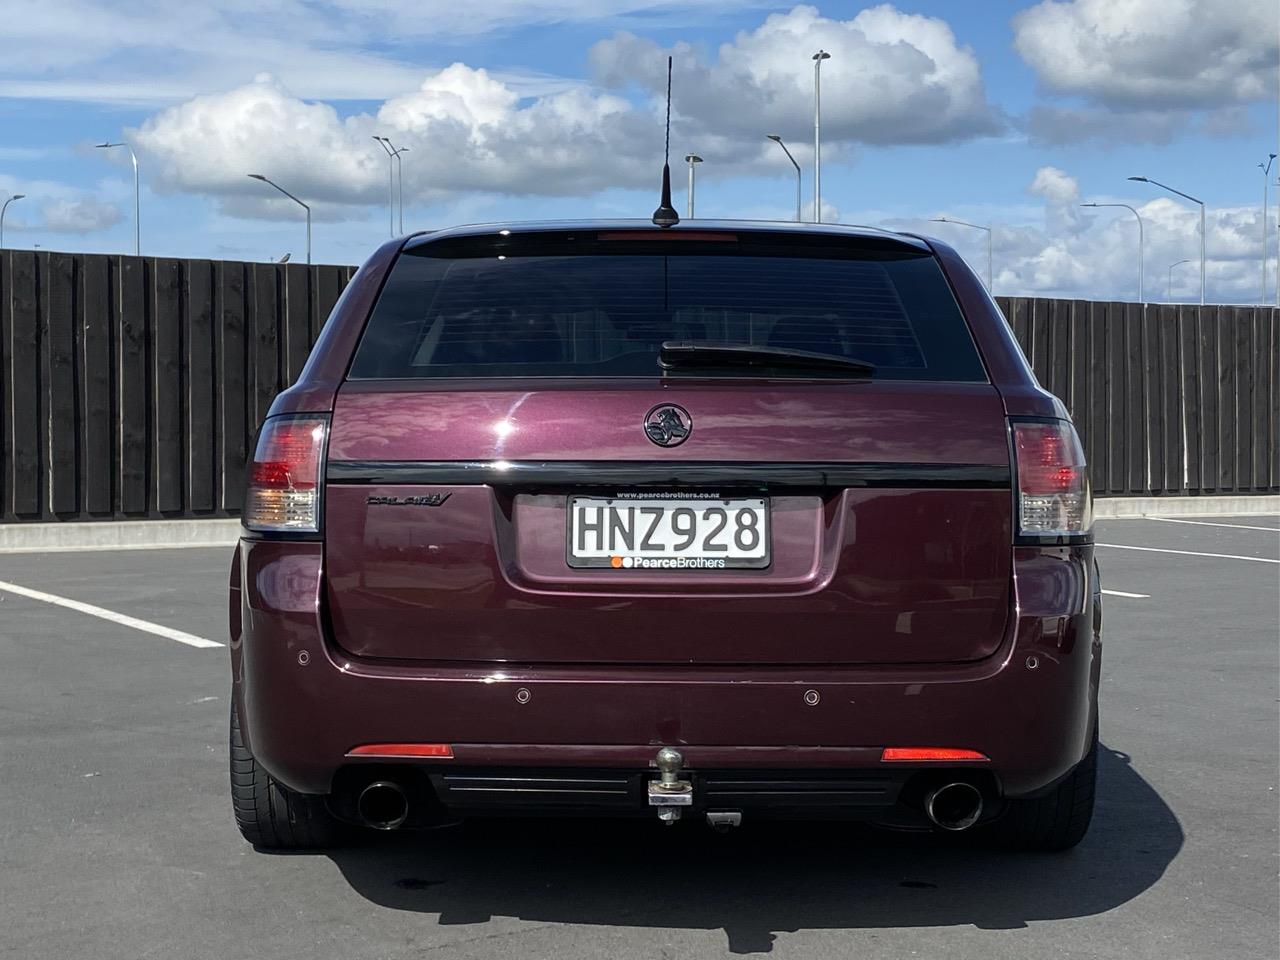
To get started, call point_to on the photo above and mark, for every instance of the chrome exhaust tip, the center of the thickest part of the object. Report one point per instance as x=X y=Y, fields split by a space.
x=953 y=806
x=382 y=805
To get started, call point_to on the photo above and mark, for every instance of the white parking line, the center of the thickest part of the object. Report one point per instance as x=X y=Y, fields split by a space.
x=1187 y=553
x=1131 y=596
x=1207 y=523
x=120 y=618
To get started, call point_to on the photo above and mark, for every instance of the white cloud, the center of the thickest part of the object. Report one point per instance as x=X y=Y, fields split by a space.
x=79 y=215
x=1093 y=252
x=484 y=16
x=1146 y=68
x=28 y=154
x=464 y=130
x=157 y=51
x=892 y=78
x=1061 y=194
x=1153 y=53
x=55 y=207
x=467 y=129
x=152 y=51
x=211 y=143
x=1055 y=126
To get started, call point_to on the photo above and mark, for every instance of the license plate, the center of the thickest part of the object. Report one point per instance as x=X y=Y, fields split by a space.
x=668 y=533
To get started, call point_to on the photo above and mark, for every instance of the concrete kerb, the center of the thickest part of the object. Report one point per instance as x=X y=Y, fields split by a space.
x=118 y=535
x=1135 y=508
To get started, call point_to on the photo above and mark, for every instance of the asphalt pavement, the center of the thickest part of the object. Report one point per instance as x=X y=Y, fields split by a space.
x=117 y=839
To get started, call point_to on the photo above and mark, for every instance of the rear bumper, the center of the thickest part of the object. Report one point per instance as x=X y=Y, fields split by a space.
x=305 y=703
x=887 y=796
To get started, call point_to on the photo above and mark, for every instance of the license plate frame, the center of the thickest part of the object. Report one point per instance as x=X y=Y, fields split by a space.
x=694 y=562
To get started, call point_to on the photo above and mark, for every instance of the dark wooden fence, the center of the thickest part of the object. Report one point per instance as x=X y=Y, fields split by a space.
x=132 y=387
x=1173 y=399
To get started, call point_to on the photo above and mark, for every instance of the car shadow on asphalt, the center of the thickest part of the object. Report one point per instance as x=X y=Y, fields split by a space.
x=766 y=878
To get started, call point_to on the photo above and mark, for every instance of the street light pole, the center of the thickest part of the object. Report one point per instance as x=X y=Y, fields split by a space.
x=258 y=176
x=400 y=186
x=778 y=140
x=817 y=133
x=392 y=155
x=1266 y=172
x=976 y=226
x=137 y=196
x=1177 y=263
x=1141 y=295
x=1186 y=196
x=691 y=159
x=16 y=196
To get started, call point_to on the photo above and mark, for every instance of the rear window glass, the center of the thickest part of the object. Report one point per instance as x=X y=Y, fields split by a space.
x=582 y=307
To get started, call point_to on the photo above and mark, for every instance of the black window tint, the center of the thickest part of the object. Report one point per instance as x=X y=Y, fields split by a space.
x=607 y=313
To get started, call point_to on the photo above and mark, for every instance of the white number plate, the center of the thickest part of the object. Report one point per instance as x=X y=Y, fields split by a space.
x=668 y=533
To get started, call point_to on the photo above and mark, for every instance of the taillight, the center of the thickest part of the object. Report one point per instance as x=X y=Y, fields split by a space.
x=1053 y=482
x=285 y=476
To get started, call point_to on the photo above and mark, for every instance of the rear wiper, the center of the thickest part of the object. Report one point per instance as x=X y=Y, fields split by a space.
x=690 y=353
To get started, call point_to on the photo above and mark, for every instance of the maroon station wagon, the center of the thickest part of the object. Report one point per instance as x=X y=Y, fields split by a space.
x=718 y=522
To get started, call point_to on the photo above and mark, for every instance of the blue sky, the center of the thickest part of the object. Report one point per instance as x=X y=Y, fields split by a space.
x=1007 y=112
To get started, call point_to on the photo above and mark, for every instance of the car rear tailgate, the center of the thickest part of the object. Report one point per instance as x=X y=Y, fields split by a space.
x=890 y=514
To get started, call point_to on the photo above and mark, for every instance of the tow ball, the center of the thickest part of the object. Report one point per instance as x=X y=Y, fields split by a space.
x=669 y=793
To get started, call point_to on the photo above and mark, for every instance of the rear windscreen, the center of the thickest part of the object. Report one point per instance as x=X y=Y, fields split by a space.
x=587 y=307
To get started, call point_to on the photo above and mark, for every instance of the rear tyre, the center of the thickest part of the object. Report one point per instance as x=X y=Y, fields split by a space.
x=1058 y=820
x=271 y=816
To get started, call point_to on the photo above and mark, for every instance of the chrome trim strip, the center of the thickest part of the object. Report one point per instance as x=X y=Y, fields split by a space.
x=672 y=475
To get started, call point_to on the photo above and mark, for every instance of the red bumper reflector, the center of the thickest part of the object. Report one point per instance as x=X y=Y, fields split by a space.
x=439 y=751
x=917 y=754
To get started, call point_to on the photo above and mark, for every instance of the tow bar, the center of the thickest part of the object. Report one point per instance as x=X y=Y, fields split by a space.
x=669 y=793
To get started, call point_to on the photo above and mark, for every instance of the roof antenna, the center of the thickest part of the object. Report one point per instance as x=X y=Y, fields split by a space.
x=665 y=215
